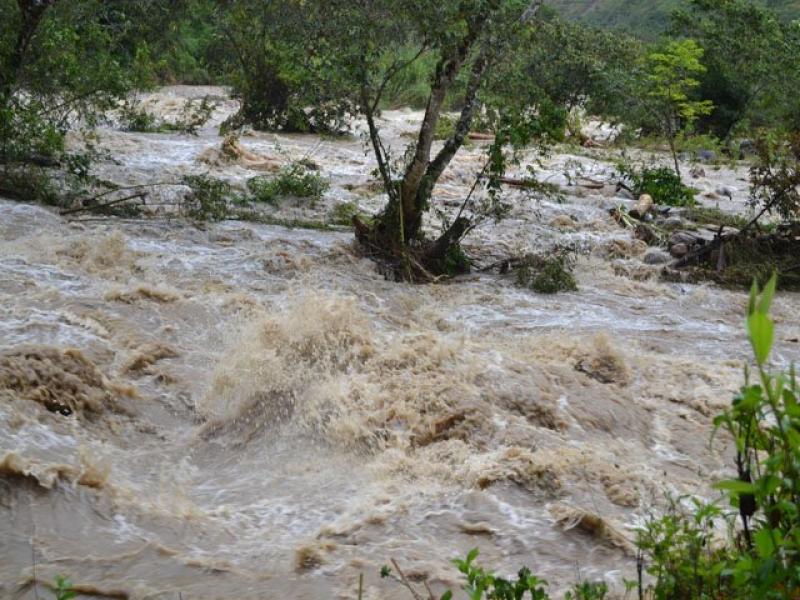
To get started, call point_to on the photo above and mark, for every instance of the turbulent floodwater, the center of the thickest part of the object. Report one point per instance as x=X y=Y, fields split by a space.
x=247 y=411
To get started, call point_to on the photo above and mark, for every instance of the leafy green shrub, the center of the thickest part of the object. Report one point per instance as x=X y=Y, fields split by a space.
x=714 y=216
x=195 y=115
x=663 y=185
x=412 y=85
x=342 y=214
x=775 y=176
x=294 y=181
x=483 y=584
x=548 y=274
x=683 y=561
x=587 y=590
x=209 y=198
x=698 y=142
x=30 y=184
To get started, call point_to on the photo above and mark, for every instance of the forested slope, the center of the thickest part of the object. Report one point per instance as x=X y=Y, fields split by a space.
x=643 y=17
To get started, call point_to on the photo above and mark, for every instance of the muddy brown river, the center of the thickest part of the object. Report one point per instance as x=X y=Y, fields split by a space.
x=241 y=410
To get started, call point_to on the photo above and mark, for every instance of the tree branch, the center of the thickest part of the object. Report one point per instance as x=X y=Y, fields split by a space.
x=392 y=71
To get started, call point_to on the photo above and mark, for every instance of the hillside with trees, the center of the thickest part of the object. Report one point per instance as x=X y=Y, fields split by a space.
x=643 y=17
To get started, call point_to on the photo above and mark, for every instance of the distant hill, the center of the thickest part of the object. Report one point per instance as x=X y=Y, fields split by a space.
x=646 y=18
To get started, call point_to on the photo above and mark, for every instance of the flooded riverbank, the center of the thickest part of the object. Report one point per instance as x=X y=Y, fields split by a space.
x=244 y=410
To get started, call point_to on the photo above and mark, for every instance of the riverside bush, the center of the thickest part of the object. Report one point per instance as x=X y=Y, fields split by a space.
x=548 y=274
x=294 y=181
x=661 y=183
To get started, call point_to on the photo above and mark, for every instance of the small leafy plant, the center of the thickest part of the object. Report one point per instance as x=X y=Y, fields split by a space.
x=294 y=181
x=63 y=589
x=548 y=274
x=343 y=213
x=483 y=584
x=661 y=183
x=138 y=120
x=587 y=590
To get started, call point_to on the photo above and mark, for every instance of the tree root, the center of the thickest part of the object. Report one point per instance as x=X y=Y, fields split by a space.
x=423 y=261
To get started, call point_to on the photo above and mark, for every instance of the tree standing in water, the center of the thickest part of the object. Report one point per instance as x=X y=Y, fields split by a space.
x=463 y=41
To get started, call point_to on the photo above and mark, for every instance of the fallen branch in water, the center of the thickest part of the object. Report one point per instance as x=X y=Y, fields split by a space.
x=520 y=183
x=403 y=580
x=479 y=136
x=95 y=207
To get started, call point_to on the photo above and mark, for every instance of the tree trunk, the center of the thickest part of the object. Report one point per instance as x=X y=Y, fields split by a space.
x=413 y=203
x=401 y=220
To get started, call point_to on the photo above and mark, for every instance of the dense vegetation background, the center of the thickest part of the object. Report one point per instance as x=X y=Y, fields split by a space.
x=647 y=18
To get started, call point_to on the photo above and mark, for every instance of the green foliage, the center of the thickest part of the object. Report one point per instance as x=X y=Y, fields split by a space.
x=483 y=584
x=63 y=589
x=750 y=58
x=666 y=87
x=663 y=185
x=570 y=65
x=294 y=181
x=751 y=257
x=456 y=261
x=445 y=128
x=30 y=183
x=139 y=120
x=343 y=213
x=412 y=85
x=684 y=560
x=279 y=68
x=548 y=274
x=57 y=62
x=715 y=217
x=209 y=198
x=63 y=65
x=587 y=590
x=644 y=18
x=698 y=142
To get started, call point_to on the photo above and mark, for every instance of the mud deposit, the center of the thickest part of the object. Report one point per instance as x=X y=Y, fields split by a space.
x=248 y=411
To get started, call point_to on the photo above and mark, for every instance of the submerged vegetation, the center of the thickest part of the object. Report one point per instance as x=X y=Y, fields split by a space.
x=548 y=274
x=294 y=181
x=660 y=183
